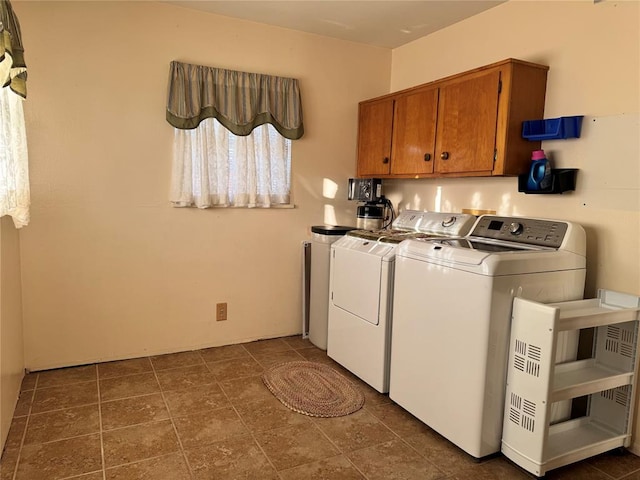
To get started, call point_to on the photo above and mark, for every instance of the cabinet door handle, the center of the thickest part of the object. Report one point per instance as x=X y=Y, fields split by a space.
x=444 y=155
x=427 y=157
x=385 y=160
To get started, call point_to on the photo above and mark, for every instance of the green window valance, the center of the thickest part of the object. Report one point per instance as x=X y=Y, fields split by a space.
x=13 y=70
x=240 y=101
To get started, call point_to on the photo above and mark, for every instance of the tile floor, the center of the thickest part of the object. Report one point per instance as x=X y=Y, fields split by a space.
x=207 y=415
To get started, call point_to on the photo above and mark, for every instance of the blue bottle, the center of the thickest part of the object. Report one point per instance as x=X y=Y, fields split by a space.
x=540 y=172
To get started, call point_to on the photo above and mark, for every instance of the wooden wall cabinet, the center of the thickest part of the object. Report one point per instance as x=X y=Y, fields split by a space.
x=468 y=124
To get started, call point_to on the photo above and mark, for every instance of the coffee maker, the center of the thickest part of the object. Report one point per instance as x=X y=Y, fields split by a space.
x=372 y=214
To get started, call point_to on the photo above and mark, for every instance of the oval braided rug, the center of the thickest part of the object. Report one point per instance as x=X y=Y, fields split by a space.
x=313 y=389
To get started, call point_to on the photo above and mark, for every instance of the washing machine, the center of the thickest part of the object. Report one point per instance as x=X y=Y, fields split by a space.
x=361 y=290
x=452 y=314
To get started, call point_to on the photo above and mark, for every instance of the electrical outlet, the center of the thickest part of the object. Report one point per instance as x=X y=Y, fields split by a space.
x=221 y=312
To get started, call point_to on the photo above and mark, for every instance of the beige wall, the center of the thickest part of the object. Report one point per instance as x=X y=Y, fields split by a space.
x=11 y=345
x=110 y=270
x=593 y=51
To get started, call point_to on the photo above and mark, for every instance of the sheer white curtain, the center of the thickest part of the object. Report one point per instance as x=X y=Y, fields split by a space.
x=214 y=167
x=14 y=171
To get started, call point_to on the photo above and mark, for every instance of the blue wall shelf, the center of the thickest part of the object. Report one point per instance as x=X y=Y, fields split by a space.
x=552 y=129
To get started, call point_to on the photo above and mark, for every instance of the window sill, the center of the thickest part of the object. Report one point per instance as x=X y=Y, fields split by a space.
x=272 y=207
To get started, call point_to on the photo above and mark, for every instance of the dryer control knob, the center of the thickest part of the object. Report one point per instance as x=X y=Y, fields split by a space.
x=447 y=222
x=515 y=228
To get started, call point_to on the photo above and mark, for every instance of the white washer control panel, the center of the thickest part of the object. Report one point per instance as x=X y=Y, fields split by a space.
x=548 y=233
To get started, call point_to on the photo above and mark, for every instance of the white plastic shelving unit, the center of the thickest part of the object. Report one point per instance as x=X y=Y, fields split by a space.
x=535 y=382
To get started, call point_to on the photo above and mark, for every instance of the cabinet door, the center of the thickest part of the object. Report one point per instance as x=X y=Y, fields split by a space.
x=467 y=122
x=414 y=132
x=375 y=121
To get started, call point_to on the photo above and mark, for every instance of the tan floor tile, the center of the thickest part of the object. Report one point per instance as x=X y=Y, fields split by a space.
x=494 y=469
x=195 y=399
x=90 y=476
x=293 y=446
x=29 y=382
x=61 y=459
x=615 y=463
x=121 y=368
x=139 y=442
x=16 y=432
x=314 y=354
x=185 y=377
x=371 y=395
x=59 y=424
x=441 y=452
x=582 y=471
x=397 y=419
x=242 y=390
x=132 y=411
x=176 y=360
x=235 y=368
x=129 y=386
x=209 y=426
x=231 y=459
x=227 y=352
x=335 y=468
x=170 y=467
x=67 y=396
x=8 y=463
x=23 y=407
x=297 y=342
x=268 y=360
x=67 y=376
x=355 y=431
x=268 y=414
x=393 y=461
x=267 y=346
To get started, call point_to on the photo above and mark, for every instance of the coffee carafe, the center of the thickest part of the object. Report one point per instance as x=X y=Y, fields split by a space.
x=371 y=214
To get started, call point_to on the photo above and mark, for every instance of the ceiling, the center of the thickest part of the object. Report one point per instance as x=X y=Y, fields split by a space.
x=382 y=23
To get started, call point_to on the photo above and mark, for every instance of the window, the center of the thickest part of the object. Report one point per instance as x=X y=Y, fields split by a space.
x=232 y=140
